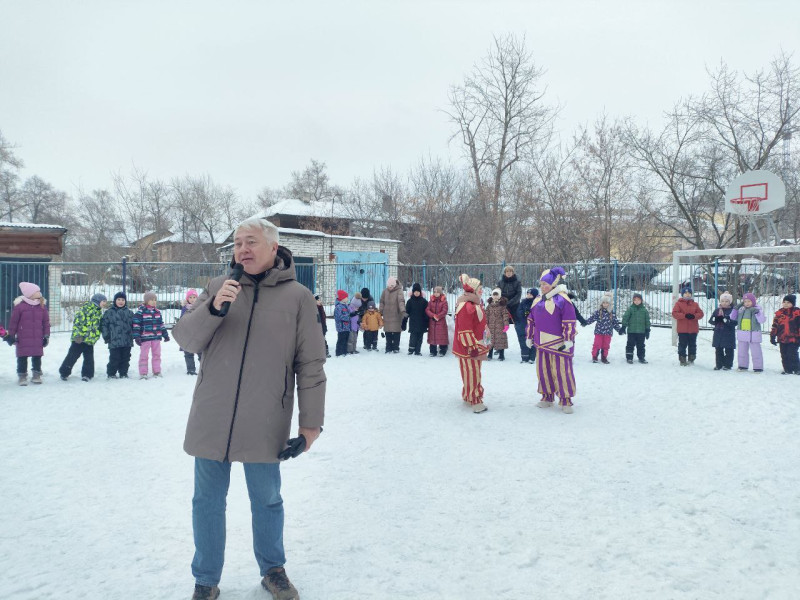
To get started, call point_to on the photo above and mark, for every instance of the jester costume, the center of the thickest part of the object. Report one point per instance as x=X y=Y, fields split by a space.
x=470 y=322
x=551 y=327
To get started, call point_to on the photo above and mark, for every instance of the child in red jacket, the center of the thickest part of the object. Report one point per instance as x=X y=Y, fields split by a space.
x=688 y=314
x=786 y=332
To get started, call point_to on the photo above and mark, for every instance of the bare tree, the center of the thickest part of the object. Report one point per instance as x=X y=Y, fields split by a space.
x=10 y=200
x=41 y=203
x=501 y=119
x=7 y=156
x=312 y=184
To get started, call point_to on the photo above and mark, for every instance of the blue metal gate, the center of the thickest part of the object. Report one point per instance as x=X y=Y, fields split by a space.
x=356 y=270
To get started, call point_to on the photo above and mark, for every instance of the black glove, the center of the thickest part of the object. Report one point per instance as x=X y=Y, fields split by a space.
x=647 y=334
x=773 y=340
x=689 y=316
x=138 y=342
x=45 y=341
x=404 y=324
x=295 y=447
x=105 y=340
x=622 y=330
x=166 y=337
x=383 y=335
x=10 y=340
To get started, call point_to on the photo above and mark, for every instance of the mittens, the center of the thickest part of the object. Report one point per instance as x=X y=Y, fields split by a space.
x=9 y=339
x=45 y=341
x=404 y=324
x=166 y=337
x=647 y=334
x=773 y=340
x=689 y=316
x=623 y=330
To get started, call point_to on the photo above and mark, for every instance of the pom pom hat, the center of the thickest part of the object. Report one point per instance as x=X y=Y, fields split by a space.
x=552 y=276
x=191 y=293
x=726 y=297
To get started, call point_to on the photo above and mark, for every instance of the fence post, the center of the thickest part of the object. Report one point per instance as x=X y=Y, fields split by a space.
x=716 y=282
x=615 y=285
x=424 y=275
x=124 y=273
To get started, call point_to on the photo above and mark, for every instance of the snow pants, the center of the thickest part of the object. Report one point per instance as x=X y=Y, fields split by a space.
x=724 y=357
x=415 y=342
x=342 y=337
x=22 y=364
x=119 y=361
x=637 y=340
x=521 y=338
x=74 y=352
x=392 y=341
x=352 y=342
x=370 y=340
x=687 y=341
x=145 y=349
x=602 y=343
x=789 y=358
x=746 y=349
x=472 y=390
x=555 y=376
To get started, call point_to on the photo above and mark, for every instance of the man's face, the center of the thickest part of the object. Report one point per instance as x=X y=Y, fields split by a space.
x=252 y=250
x=120 y=302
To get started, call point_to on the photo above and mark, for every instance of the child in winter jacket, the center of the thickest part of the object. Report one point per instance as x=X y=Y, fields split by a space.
x=497 y=317
x=85 y=332
x=521 y=323
x=341 y=317
x=371 y=322
x=188 y=357
x=750 y=317
x=724 y=332
x=688 y=314
x=148 y=331
x=607 y=324
x=355 y=317
x=437 y=322
x=117 y=329
x=416 y=307
x=323 y=318
x=786 y=332
x=29 y=329
x=636 y=323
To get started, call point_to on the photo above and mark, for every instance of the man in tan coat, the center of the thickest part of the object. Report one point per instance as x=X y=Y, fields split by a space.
x=269 y=342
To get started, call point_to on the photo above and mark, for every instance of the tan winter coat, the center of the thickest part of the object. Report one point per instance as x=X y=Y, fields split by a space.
x=371 y=321
x=393 y=309
x=252 y=359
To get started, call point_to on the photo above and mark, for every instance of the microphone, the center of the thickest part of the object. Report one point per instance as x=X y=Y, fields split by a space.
x=236 y=274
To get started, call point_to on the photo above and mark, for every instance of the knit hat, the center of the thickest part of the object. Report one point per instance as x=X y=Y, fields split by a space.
x=358 y=295
x=391 y=282
x=365 y=292
x=191 y=292
x=28 y=289
x=726 y=297
x=149 y=296
x=639 y=296
x=685 y=289
x=791 y=299
x=119 y=295
x=497 y=292
x=552 y=276
x=606 y=299
x=750 y=296
x=341 y=295
x=438 y=290
x=370 y=305
x=98 y=298
x=416 y=288
x=533 y=292
x=470 y=284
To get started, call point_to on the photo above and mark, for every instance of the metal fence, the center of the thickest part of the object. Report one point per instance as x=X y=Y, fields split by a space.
x=68 y=285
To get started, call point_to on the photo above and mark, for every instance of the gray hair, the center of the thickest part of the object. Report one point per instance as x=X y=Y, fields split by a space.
x=269 y=230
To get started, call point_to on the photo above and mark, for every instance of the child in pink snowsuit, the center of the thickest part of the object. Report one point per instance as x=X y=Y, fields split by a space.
x=148 y=331
x=607 y=323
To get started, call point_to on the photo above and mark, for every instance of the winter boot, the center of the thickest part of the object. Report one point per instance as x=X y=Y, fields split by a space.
x=691 y=359
x=491 y=354
x=86 y=379
x=277 y=583
x=566 y=409
x=23 y=378
x=204 y=592
x=37 y=377
x=478 y=408
x=433 y=351
x=604 y=360
x=642 y=361
x=629 y=358
x=682 y=359
x=544 y=403
x=594 y=357
x=442 y=350
x=501 y=355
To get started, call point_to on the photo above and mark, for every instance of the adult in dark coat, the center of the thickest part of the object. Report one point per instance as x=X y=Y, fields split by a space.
x=521 y=322
x=437 y=322
x=724 y=340
x=116 y=326
x=510 y=289
x=417 y=319
x=29 y=330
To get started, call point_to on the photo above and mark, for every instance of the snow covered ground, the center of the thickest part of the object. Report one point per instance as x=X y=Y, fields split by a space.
x=667 y=482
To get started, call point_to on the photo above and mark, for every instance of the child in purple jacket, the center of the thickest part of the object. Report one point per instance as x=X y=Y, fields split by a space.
x=29 y=330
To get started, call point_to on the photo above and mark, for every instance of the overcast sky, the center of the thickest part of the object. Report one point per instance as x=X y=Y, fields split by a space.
x=248 y=91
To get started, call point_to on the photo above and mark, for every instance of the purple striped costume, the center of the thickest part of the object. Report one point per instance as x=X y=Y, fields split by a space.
x=551 y=323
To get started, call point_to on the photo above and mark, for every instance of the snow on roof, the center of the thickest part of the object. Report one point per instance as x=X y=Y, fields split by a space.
x=311 y=232
x=204 y=238
x=293 y=206
x=30 y=225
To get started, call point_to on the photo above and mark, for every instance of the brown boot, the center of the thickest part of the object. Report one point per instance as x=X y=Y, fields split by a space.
x=691 y=359
x=277 y=583
x=683 y=360
x=23 y=378
x=37 y=377
x=204 y=592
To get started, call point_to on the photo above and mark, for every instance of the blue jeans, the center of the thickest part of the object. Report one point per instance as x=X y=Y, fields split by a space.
x=211 y=481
